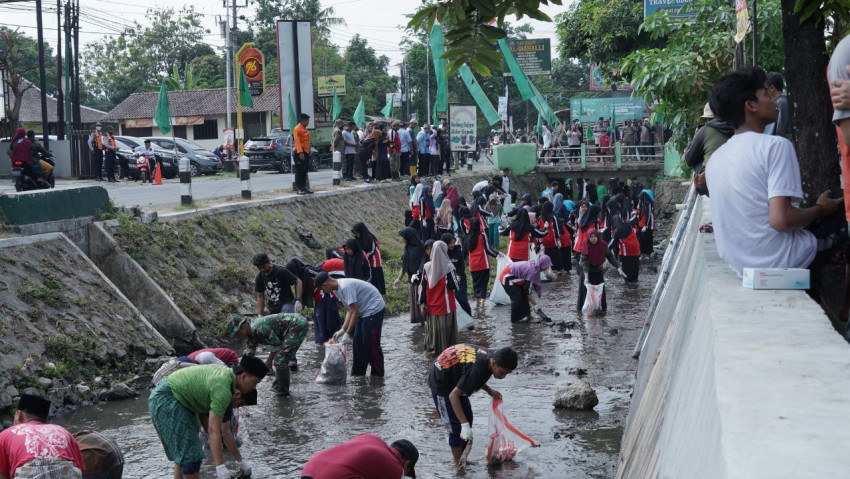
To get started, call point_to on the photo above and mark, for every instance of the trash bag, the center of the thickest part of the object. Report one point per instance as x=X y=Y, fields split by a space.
x=532 y=256
x=333 y=367
x=464 y=321
x=505 y=440
x=593 y=299
x=498 y=295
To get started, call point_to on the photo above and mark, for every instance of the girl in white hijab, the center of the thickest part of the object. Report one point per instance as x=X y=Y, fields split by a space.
x=438 y=297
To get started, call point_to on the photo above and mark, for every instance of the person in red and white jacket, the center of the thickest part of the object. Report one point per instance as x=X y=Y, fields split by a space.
x=369 y=244
x=480 y=253
x=646 y=222
x=438 y=295
x=552 y=242
x=521 y=231
x=326 y=320
x=588 y=220
x=624 y=242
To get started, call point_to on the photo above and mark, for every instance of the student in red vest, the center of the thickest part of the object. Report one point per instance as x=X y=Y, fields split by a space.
x=326 y=320
x=521 y=231
x=624 y=242
x=366 y=456
x=518 y=278
x=588 y=219
x=438 y=295
x=480 y=252
x=426 y=214
x=592 y=262
x=416 y=207
x=369 y=244
x=355 y=261
x=552 y=241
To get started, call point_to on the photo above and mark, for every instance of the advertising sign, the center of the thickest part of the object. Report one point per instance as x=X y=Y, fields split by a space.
x=742 y=20
x=295 y=61
x=396 y=99
x=462 y=127
x=503 y=108
x=229 y=138
x=253 y=64
x=534 y=56
x=588 y=110
x=327 y=85
x=139 y=123
x=673 y=6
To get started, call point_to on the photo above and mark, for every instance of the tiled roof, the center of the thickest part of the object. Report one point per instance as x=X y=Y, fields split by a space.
x=191 y=103
x=31 y=109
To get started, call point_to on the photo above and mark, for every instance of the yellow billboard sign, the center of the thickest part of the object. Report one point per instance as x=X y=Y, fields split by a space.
x=328 y=84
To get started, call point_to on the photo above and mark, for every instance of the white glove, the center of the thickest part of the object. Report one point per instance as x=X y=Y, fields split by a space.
x=622 y=273
x=643 y=230
x=345 y=339
x=502 y=255
x=221 y=472
x=298 y=306
x=337 y=335
x=414 y=278
x=465 y=431
x=558 y=243
x=244 y=468
x=396 y=283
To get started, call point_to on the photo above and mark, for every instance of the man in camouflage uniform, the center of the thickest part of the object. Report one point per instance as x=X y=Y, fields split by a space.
x=282 y=333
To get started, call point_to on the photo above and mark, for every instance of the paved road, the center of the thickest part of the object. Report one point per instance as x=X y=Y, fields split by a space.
x=204 y=189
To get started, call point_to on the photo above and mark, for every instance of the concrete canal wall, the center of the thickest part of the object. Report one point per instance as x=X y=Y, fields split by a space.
x=735 y=383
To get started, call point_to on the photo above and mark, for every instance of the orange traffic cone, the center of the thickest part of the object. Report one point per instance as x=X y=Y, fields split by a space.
x=157 y=180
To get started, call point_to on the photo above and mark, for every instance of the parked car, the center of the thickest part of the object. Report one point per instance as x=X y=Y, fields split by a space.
x=273 y=153
x=202 y=161
x=165 y=158
x=321 y=155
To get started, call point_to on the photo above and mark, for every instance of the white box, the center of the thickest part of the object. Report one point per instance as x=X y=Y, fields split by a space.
x=776 y=278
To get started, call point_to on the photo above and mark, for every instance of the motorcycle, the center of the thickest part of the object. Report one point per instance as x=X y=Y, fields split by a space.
x=47 y=165
x=143 y=167
x=23 y=178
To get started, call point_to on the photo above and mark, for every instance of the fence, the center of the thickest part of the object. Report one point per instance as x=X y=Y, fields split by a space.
x=617 y=153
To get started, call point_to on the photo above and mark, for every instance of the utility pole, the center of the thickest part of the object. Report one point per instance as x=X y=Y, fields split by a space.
x=427 y=118
x=60 y=108
x=755 y=33
x=229 y=65
x=68 y=96
x=42 y=81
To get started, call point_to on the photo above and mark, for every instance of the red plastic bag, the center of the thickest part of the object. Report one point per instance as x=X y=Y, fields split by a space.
x=505 y=440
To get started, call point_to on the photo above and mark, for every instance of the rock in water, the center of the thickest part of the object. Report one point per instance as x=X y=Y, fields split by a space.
x=578 y=396
x=121 y=391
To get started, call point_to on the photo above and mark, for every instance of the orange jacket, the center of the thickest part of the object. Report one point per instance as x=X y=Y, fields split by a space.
x=302 y=139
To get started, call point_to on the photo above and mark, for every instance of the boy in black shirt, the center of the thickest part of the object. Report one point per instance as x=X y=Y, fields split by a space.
x=274 y=283
x=458 y=372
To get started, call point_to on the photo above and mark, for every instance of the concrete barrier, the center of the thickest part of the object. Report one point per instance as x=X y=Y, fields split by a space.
x=53 y=205
x=734 y=382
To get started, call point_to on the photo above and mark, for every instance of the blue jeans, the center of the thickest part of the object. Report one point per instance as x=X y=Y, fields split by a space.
x=367 y=345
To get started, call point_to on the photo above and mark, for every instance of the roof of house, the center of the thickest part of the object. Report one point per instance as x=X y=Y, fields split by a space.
x=31 y=109
x=211 y=101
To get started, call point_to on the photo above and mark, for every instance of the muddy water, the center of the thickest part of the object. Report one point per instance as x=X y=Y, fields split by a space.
x=280 y=435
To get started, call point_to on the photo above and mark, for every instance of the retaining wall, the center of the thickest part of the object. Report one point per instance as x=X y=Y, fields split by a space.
x=734 y=382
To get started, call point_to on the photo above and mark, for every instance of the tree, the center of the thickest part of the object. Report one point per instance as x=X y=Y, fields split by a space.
x=602 y=31
x=209 y=71
x=366 y=75
x=19 y=57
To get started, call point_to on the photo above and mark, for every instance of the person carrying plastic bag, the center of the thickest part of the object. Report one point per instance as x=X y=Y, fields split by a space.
x=505 y=440
x=518 y=278
x=498 y=294
x=592 y=262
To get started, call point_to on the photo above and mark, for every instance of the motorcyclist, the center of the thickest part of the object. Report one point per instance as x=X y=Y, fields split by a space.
x=147 y=151
x=41 y=157
x=20 y=150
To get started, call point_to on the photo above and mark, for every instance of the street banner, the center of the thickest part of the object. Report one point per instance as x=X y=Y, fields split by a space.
x=295 y=62
x=462 y=127
x=534 y=56
x=490 y=113
x=396 y=98
x=327 y=84
x=503 y=108
x=588 y=110
x=253 y=65
x=139 y=123
x=675 y=7
x=229 y=138
x=437 y=50
x=742 y=20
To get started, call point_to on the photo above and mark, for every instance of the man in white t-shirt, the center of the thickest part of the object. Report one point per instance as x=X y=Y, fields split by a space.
x=754 y=178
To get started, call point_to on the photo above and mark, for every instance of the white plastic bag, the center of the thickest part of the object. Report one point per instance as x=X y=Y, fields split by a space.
x=505 y=439
x=498 y=295
x=333 y=367
x=464 y=321
x=593 y=299
x=532 y=256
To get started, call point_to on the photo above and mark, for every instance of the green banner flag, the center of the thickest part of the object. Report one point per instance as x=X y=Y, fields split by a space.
x=519 y=77
x=387 y=111
x=547 y=111
x=245 y=98
x=162 y=118
x=478 y=94
x=613 y=124
x=360 y=114
x=337 y=108
x=436 y=38
x=434 y=115
x=293 y=119
x=539 y=125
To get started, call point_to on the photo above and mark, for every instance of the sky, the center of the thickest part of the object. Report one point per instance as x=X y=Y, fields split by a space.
x=379 y=21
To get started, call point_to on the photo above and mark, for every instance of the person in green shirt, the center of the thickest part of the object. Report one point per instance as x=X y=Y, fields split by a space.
x=601 y=190
x=175 y=401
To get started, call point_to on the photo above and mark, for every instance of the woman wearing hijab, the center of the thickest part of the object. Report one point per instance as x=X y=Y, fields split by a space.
x=355 y=263
x=457 y=255
x=592 y=263
x=326 y=320
x=625 y=243
x=438 y=295
x=20 y=150
x=452 y=193
x=437 y=192
x=552 y=241
x=414 y=182
x=480 y=211
x=525 y=203
x=518 y=278
x=369 y=245
x=562 y=213
x=480 y=253
x=382 y=158
x=411 y=259
x=496 y=210
x=588 y=220
x=521 y=231
x=443 y=218
x=415 y=206
x=426 y=214
x=646 y=222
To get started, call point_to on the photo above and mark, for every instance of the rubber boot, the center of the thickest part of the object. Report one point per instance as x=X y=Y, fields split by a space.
x=281 y=374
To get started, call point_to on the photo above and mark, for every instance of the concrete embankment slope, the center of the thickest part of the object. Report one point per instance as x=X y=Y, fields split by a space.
x=734 y=382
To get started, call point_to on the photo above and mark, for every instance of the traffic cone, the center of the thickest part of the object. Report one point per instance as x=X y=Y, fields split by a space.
x=157 y=180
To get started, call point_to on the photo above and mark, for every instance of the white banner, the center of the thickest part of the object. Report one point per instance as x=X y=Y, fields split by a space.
x=462 y=127
x=288 y=33
x=503 y=108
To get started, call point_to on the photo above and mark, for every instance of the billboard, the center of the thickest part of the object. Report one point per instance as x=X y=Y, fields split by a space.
x=327 y=85
x=673 y=6
x=295 y=62
x=503 y=108
x=253 y=65
x=534 y=56
x=462 y=127
x=588 y=110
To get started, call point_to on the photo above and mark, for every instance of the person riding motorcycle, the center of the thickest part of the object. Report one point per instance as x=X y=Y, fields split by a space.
x=148 y=152
x=43 y=156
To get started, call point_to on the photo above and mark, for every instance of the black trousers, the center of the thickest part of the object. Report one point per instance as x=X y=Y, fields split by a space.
x=567 y=257
x=97 y=163
x=436 y=164
x=424 y=164
x=555 y=255
x=404 y=164
x=349 y=165
x=630 y=266
x=480 y=280
x=109 y=156
x=520 y=307
x=301 y=172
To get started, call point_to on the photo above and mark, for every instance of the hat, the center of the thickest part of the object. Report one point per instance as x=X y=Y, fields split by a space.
x=254 y=365
x=707 y=114
x=34 y=405
x=408 y=451
x=234 y=325
x=260 y=259
x=109 y=128
x=250 y=398
x=321 y=278
x=447 y=181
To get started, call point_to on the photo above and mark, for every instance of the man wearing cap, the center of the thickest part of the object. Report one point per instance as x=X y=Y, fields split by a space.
x=366 y=456
x=96 y=148
x=364 y=319
x=175 y=402
x=282 y=333
x=33 y=448
x=147 y=151
x=275 y=283
x=423 y=140
x=708 y=139
x=109 y=149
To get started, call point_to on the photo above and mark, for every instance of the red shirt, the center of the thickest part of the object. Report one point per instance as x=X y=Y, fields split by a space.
x=518 y=249
x=365 y=457
x=629 y=246
x=35 y=440
x=440 y=299
x=415 y=213
x=335 y=269
x=225 y=355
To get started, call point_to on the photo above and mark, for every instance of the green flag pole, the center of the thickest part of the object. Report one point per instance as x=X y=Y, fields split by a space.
x=162 y=118
x=360 y=114
x=337 y=108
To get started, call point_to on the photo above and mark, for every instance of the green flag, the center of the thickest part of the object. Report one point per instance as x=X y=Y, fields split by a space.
x=436 y=41
x=245 y=98
x=360 y=114
x=478 y=94
x=293 y=120
x=434 y=115
x=387 y=111
x=162 y=119
x=337 y=108
x=613 y=123
x=539 y=125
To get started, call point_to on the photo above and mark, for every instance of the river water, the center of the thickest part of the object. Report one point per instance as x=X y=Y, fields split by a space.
x=281 y=434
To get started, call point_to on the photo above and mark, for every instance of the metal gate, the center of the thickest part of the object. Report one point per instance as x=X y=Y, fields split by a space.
x=82 y=163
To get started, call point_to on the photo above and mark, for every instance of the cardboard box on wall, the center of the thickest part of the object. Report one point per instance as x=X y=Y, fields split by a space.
x=776 y=278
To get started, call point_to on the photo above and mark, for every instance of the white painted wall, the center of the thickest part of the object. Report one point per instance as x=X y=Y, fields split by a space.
x=736 y=383
x=61 y=153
